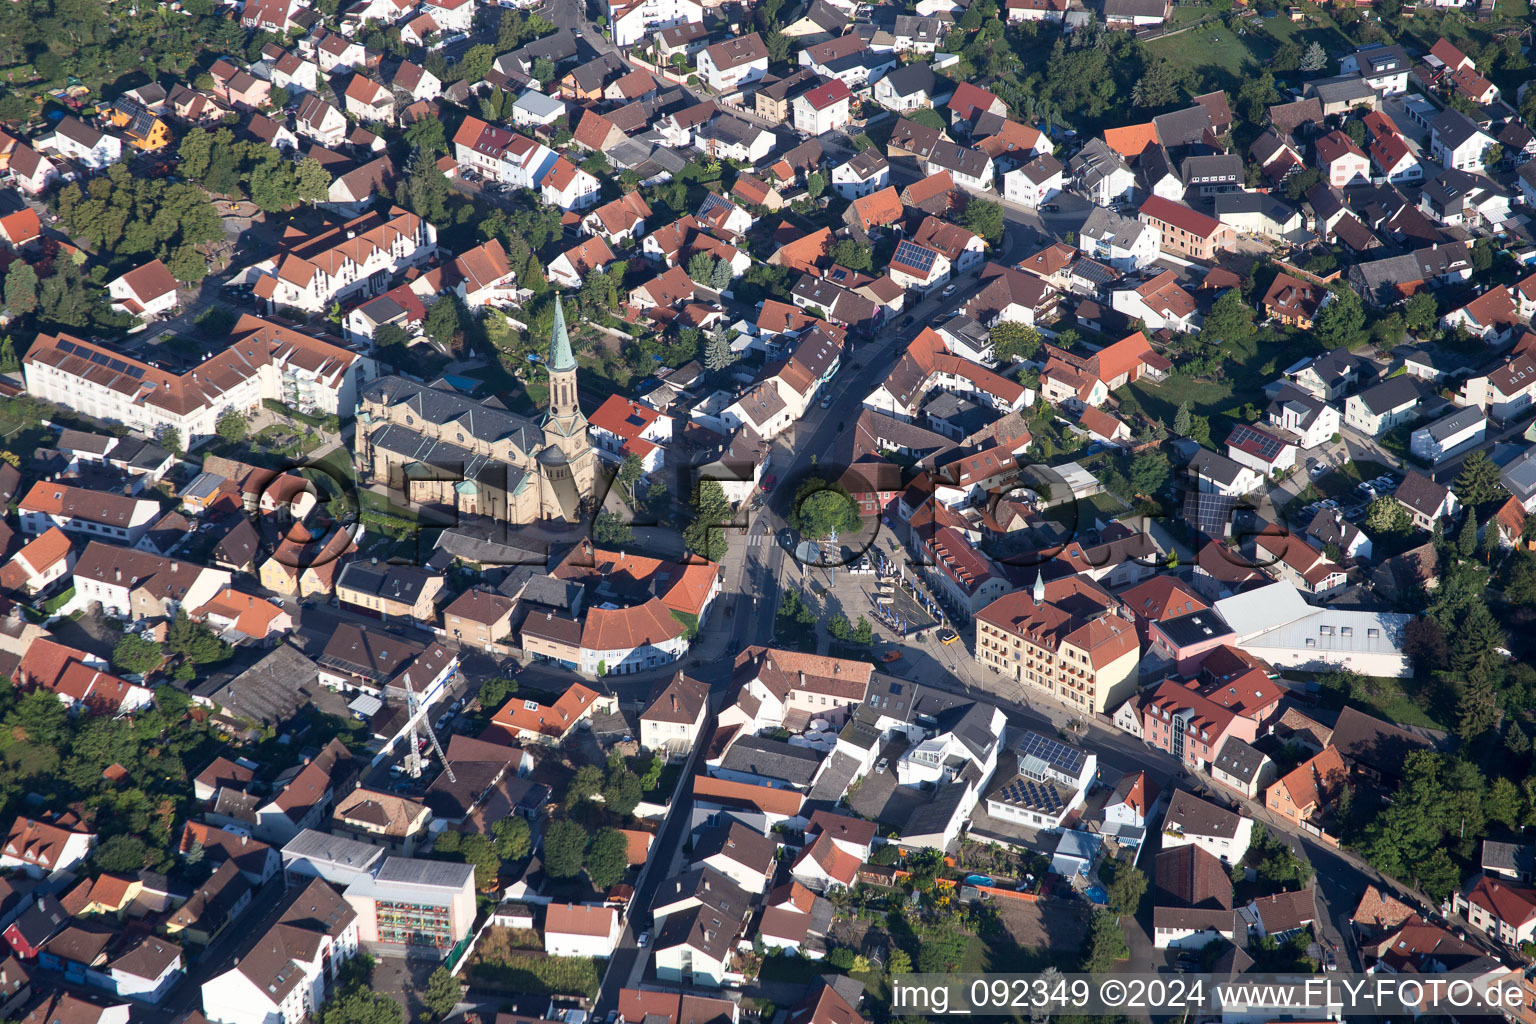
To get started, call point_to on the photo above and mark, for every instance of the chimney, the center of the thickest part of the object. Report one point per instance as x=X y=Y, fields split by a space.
x=117 y=574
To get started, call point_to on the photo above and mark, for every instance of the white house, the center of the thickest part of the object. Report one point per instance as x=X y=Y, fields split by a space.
x=1261 y=450
x=822 y=109
x=1217 y=474
x=321 y=121
x=500 y=155
x=1456 y=141
x=1219 y=832
x=77 y=141
x=572 y=929
x=82 y=512
x=1383 y=406
x=484 y=277
x=728 y=65
x=1124 y=243
x=634 y=20
x=569 y=187
x=145 y=292
x=1311 y=420
x=1448 y=435
x=1036 y=183
x=862 y=174
x=39 y=848
x=451 y=15
x=284 y=974
x=1049 y=784
x=1158 y=303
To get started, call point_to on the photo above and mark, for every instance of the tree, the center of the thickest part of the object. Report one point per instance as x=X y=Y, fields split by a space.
x=1126 y=890
x=622 y=792
x=21 y=288
x=705 y=533
x=821 y=508
x=608 y=858
x=815 y=184
x=1493 y=156
x=1013 y=341
x=1435 y=814
x=1182 y=420
x=587 y=784
x=839 y=628
x=565 y=843
x=513 y=837
x=136 y=655
x=476 y=62
x=187 y=265
x=1339 y=322
x=1149 y=473
x=1477 y=710
x=442 y=323
x=495 y=691
x=361 y=1005
x=723 y=273
x=984 y=218
x=1231 y=318
x=1105 y=943
x=1300 y=183
x=121 y=853
x=717 y=353
x=897 y=961
x=231 y=425
x=700 y=266
x=1386 y=515
x=1478 y=483
x=1313 y=58
x=1256 y=96
x=169 y=438
x=314 y=181
x=853 y=254
x=1424 y=642
x=194 y=641
x=863 y=632
x=442 y=994
x=611 y=530
x=1466 y=537
x=543 y=70
x=9 y=361
x=1421 y=311
x=1476 y=642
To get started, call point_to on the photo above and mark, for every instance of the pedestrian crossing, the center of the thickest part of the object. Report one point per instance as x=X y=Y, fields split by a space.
x=757 y=540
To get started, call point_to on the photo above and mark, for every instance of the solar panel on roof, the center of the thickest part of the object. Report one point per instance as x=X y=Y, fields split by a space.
x=136 y=372
x=915 y=256
x=67 y=346
x=118 y=365
x=1051 y=752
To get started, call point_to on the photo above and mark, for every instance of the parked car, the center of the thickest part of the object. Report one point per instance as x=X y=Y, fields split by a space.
x=949 y=290
x=948 y=636
x=881 y=765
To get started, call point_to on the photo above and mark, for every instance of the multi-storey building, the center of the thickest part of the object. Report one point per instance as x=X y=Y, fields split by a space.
x=357 y=260
x=501 y=155
x=1065 y=638
x=263 y=361
x=415 y=906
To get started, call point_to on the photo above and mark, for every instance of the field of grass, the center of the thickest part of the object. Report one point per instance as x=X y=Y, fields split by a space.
x=1400 y=701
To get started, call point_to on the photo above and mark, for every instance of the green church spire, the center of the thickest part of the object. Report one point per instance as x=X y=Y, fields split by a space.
x=560 y=357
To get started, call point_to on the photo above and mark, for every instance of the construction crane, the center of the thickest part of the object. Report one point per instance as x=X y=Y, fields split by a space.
x=413 y=710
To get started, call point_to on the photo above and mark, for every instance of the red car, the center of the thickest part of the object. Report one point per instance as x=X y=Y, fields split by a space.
x=768 y=482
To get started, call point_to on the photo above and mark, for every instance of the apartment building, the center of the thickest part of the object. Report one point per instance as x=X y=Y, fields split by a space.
x=264 y=361
x=284 y=974
x=416 y=907
x=1185 y=231
x=131 y=584
x=501 y=155
x=83 y=512
x=1065 y=638
x=727 y=66
x=342 y=264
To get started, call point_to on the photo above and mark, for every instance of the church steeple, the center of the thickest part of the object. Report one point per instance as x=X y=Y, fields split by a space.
x=564 y=416
x=560 y=357
x=1039 y=594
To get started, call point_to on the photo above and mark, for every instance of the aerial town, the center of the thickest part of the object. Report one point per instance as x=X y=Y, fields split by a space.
x=686 y=512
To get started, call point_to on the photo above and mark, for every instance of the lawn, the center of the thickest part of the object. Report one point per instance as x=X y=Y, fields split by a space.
x=1215 y=52
x=793 y=969
x=1401 y=701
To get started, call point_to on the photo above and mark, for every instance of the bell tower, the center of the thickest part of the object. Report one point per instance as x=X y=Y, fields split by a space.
x=568 y=462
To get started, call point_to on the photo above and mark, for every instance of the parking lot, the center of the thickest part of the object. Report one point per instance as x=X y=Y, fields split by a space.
x=1342 y=493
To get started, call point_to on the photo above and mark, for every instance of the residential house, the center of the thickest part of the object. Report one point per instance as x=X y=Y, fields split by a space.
x=1425 y=501
x=728 y=65
x=1448 y=435
x=673 y=722
x=1306 y=795
x=1383 y=406
x=1190 y=820
x=1456 y=141
x=146 y=292
x=1344 y=164
x=578 y=930
x=39 y=848
x=1186 y=232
